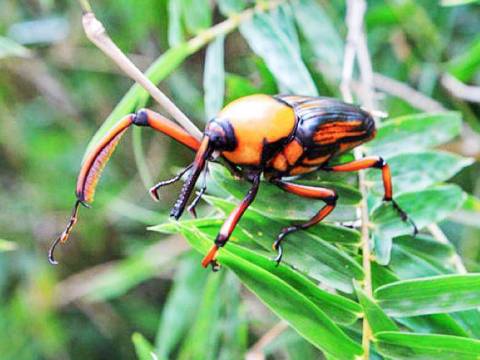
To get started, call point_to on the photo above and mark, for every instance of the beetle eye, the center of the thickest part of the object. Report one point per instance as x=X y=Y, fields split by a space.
x=221 y=134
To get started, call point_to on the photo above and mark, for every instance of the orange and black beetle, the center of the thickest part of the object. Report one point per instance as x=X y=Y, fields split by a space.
x=277 y=136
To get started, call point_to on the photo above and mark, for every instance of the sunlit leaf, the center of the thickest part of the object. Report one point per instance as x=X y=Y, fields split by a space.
x=181 y=306
x=281 y=297
x=377 y=319
x=414 y=132
x=10 y=48
x=271 y=40
x=418 y=170
x=7 y=245
x=304 y=250
x=423 y=207
x=397 y=345
x=430 y=295
x=143 y=348
x=214 y=78
x=322 y=36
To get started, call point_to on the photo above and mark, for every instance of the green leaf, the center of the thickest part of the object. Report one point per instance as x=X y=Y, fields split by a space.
x=418 y=170
x=303 y=250
x=421 y=256
x=182 y=303
x=457 y=2
x=470 y=320
x=469 y=212
x=6 y=245
x=268 y=282
x=175 y=30
x=424 y=207
x=270 y=37
x=322 y=35
x=10 y=48
x=397 y=345
x=414 y=132
x=230 y=7
x=203 y=337
x=197 y=15
x=438 y=294
x=285 y=301
x=436 y=323
x=276 y=203
x=340 y=309
x=143 y=348
x=377 y=319
x=466 y=65
x=214 y=78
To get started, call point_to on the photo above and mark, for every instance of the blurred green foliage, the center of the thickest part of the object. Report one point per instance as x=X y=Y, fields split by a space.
x=123 y=292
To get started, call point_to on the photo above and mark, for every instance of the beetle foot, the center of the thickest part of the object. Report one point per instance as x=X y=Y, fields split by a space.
x=277 y=244
x=404 y=216
x=215 y=265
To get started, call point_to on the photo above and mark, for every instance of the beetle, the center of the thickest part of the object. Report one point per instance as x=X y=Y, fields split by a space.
x=279 y=137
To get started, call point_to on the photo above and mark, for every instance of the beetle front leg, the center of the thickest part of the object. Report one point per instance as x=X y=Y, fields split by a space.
x=230 y=224
x=329 y=196
x=377 y=162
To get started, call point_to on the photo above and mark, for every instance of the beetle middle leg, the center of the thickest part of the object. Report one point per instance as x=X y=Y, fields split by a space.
x=329 y=196
x=230 y=224
x=377 y=162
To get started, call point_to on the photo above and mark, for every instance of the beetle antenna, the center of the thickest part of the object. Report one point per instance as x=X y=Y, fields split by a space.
x=65 y=234
x=203 y=154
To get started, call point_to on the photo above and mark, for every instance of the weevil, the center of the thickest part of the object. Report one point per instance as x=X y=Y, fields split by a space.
x=279 y=137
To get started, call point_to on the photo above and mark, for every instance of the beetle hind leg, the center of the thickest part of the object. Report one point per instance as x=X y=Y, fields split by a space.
x=377 y=162
x=327 y=195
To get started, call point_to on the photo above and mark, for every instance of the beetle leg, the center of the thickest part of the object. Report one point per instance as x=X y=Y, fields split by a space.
x=327 y=195
x=96 y=159
x=196 y=200
x=229 y=224
x=377 y=162
x=154 y=189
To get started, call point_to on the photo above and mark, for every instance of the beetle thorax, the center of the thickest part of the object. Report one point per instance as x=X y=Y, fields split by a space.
x=256 y=123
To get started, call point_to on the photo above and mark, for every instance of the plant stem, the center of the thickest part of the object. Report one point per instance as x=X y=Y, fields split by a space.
x=356 y=46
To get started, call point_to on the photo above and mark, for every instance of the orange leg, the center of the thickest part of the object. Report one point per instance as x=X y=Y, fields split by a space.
x=229 y=224
x=327 y=195
x=378 y=163
x=96 y=159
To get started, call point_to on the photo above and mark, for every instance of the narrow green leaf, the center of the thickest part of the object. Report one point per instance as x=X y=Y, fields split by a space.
x=377 y=319
x=469 y=212
x=6 y=245
x=322 y=36
x=457 y=2
x=424 y=207
x=175 y=29
x=270 y=37
x=143 y=348
x=340 y=309
x=203 y=337
x=397 y=345
x=438 y=294
x=276 y=203
x=268 y=281
x=303 y=250
x=289 y=304
x=470 y=320
x=197 y=15
x=214 y=78
x=181 y=306
x=230 y=7
x=418 y=170
x=10 y=48
x=414 y=132
x=465 y=65
x=443 y=324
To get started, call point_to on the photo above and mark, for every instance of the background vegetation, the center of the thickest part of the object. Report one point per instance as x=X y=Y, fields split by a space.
x=122 y=291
